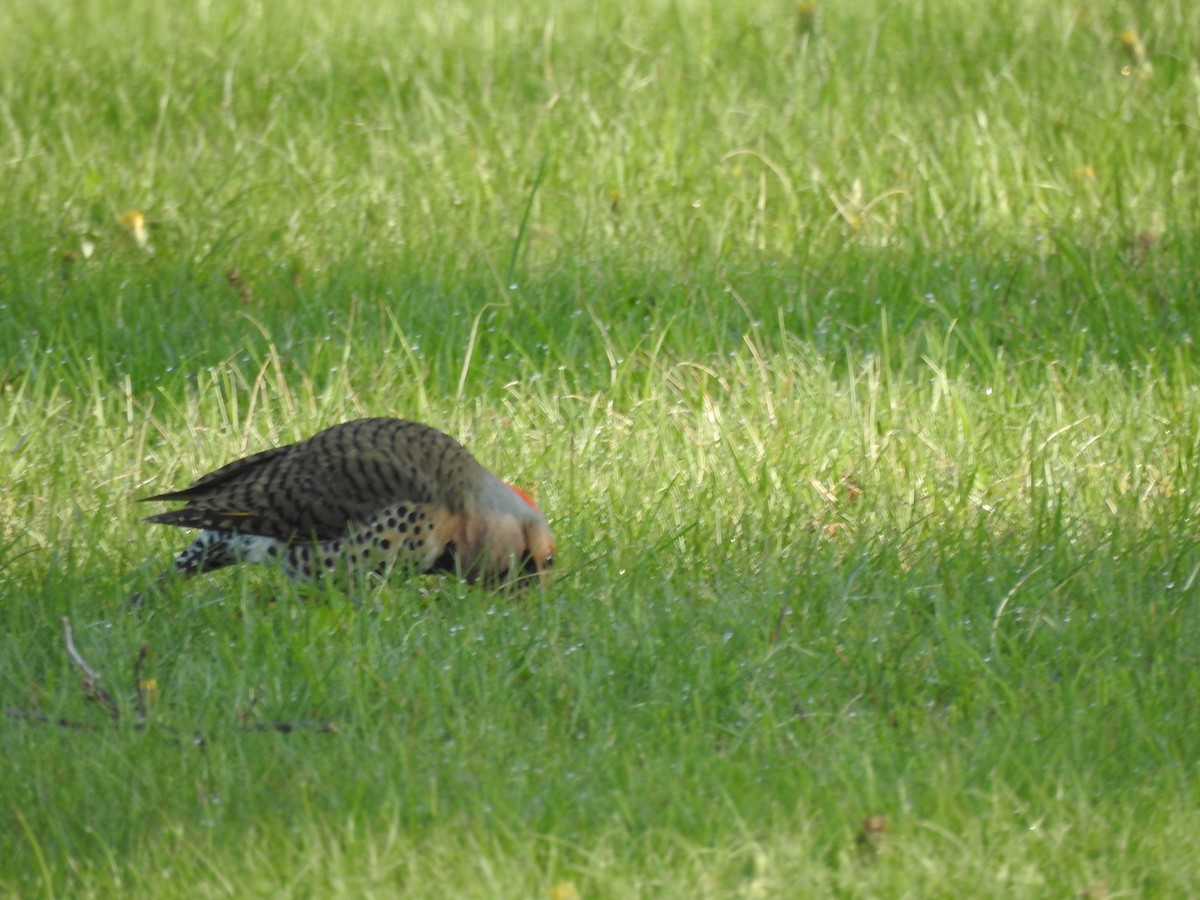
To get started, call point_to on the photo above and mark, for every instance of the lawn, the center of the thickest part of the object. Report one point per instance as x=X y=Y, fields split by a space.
x=849 y=349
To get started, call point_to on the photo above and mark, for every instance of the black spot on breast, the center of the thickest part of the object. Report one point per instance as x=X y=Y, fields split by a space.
x=402 y=528
x=414 y=516
x=385 y=544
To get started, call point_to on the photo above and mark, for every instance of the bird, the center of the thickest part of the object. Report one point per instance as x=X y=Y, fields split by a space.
x=374 y=494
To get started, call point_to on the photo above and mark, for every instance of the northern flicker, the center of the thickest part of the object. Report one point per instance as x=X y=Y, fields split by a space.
x=370 y=494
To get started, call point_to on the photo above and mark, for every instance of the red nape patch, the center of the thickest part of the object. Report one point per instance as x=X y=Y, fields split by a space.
x=524 y=496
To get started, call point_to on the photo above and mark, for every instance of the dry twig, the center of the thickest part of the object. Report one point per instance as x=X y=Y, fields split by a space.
x=32 y=715
x=138 y=684
x=91 y=678
x=246 y=720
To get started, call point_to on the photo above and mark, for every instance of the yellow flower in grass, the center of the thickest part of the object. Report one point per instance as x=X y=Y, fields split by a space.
x=806 y=18
x=134 y=222
x=1139 y=59
x=148 y=691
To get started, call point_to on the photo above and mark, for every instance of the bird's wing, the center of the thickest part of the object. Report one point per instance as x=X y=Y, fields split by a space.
x=311 y=489
x=231 y=472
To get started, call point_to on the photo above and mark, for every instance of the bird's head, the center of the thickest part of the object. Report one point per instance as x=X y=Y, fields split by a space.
x=507 y=540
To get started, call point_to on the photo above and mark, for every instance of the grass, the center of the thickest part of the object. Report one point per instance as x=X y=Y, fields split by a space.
x=851 y=358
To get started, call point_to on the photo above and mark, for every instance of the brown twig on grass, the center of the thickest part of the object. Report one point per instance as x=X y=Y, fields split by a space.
x=289 y=727
x=138 y=684
x=32 y=715
x=91 y=678
x=246 y=720
x=778 y=629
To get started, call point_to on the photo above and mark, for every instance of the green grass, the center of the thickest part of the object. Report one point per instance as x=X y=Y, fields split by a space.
x=853 y=364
